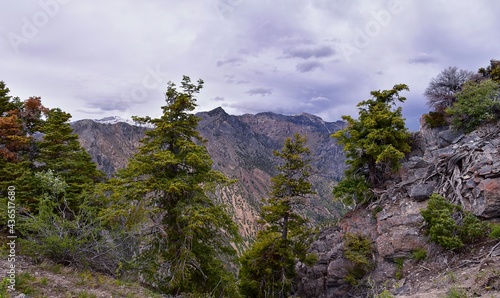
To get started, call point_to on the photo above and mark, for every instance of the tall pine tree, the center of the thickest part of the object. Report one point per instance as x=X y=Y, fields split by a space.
x=61 y=152
x=188 y=248
x=16 y=147
x=268 y=267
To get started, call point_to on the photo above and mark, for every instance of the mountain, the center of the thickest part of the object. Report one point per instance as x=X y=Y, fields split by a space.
x=241 y=147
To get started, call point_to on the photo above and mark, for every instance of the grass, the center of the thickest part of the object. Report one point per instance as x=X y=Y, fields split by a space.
x=495 y=231
x=384 y=294
x=451 y=275
x=419 y=254
x=85 y=294
x=399 y=267
x=456 y=293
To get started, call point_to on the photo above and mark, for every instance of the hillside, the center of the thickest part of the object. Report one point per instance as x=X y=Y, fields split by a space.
x=465 y=169
x=242 y=148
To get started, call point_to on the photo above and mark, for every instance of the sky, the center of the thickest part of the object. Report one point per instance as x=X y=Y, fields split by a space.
x=95 y=59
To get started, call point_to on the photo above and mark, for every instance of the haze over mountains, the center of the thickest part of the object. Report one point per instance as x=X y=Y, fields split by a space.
x=242 y=148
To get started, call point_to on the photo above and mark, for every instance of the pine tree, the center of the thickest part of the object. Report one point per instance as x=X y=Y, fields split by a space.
x=374 y=144
x=188 y=248
x=14 y=149
x=13 y=139
x=268 y=267
x=61 y=152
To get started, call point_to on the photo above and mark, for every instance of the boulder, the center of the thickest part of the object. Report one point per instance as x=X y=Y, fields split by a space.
x=422 y=191
x=489 y=205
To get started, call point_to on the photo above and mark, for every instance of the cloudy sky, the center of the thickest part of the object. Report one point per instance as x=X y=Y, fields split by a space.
x=101 y=58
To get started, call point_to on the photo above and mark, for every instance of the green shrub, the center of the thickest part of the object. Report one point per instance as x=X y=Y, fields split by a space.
x=435 y=119
x=456 y=293
x=449 y=225
x=419 y=254
x=352 y=191
x=66 y=236
x=384 y=294
x=477 y=103
x=399 y=267
x=4 y=286
x=358 y=249
x=495 y=231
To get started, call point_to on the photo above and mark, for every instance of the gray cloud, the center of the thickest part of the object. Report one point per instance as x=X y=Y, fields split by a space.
x=108 y=105
x=230 y=61
x=306 y=53
x=308 y=66
x=218 y=98
x=260 y=91
x=276 y=45
x=423 y=59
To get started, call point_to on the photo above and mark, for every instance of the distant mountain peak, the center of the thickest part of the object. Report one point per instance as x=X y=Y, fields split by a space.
x=217 y=111
x=118 y=119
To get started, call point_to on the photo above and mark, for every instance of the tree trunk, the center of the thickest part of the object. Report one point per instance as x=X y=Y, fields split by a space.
x=372 y=173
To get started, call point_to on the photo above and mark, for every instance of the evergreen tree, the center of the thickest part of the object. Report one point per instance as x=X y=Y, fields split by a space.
x=7 y=102
x=268 y=267
x=13 y=139
x=188 y=248
x=15 y=144
x=61 y=152
x=374 y=144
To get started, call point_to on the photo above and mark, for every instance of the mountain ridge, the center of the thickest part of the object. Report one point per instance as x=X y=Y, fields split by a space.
x=241 y=147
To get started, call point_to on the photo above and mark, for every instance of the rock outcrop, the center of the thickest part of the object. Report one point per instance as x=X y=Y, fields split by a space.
x=465 y=168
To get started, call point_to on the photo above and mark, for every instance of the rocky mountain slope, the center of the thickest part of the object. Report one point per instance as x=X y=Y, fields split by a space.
x=242 y=148
x=465 y=168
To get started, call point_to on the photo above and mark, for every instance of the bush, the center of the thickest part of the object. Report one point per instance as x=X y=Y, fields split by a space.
x=435 y=119
x=358 y=249
x=456 y=293
x=384 y=294
x=495 y=231
x=419 y=254
x=478 y=103
x=399 y=267
x=73 y=238
x=441 y=92
x=449 y=225
x=353 y=191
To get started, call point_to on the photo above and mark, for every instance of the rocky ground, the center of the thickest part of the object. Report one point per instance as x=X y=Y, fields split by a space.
x=52 y=280
x=464 y=168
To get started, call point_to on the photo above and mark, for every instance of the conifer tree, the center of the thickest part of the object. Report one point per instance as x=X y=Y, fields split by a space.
x=188 y=248
x=374 y=144
x=14 y=147
x=268 y=267
x=13 y=140
x=61 y=152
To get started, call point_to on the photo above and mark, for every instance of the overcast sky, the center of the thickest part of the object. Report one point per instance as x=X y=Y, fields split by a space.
x=100 y=58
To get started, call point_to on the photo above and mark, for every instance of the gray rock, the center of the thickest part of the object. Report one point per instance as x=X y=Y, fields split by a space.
x=489 y=206
x=422 y=191
x=448 y=137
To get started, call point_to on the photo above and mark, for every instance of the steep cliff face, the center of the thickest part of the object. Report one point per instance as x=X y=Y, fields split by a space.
x=110 y=145
x=242 y=148
x=465 y=168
